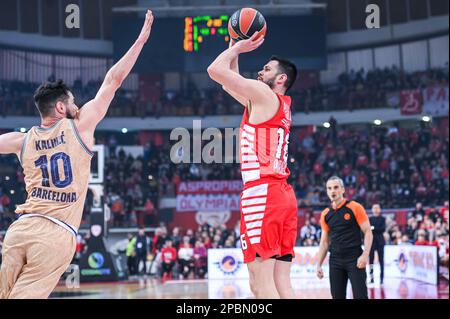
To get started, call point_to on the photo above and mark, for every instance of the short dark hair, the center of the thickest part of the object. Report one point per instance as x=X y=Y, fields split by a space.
x=287 y=67
x=48 y=94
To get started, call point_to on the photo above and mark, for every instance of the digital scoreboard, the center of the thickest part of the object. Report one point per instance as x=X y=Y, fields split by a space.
x=200 y=29
x=191 y=43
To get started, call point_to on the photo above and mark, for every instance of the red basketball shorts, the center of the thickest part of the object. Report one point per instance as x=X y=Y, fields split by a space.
x=268 y=220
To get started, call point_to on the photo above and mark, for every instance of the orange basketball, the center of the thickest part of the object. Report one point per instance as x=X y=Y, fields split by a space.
x=245 y=22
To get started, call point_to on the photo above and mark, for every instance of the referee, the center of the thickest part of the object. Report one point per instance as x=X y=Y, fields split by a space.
x=342 y=224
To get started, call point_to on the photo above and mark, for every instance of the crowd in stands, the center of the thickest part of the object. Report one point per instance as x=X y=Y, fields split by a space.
x=176 y=255
x=371 y=89
x=354 y=90
x=12 y=189
x=131 y=189
x=16 y=97
x=425 y=227
x=393 y=166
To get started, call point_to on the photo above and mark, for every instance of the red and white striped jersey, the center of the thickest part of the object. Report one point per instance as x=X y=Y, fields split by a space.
x=264 y=147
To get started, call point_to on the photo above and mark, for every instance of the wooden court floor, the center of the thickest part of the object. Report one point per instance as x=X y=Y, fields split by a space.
x=150 y=288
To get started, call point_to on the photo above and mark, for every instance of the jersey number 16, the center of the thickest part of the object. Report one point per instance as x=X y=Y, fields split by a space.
x=282 y=140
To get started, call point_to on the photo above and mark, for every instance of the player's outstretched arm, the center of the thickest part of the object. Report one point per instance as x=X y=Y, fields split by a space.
x=95 y=110
x=248 y=90
x=235 y=67
x=11 y=143
x=235 y=62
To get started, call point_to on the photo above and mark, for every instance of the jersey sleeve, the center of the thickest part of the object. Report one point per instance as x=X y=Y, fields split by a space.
x=359 y=211
x=323 y=223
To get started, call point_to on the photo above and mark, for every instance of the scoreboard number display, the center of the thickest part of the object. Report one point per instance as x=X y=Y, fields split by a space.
x=199 y=30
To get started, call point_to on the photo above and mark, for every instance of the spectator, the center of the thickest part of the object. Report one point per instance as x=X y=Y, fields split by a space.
x=307 y=232
x=378 y=223
x=176 y=238
x=5 y=201
x=159 y=240
x=433 y=214
x=117 y=209
x=418 y=213
x=141 y=250
x=1 y=248
x=422 y=239
x=443 y=248
x=190 y=235
x=411 y=227
x=131 y=255
x=316 y=225
x=405 y=240
x=444 y=211
x=309 y=242
x=149 y=211
x=169 y=256
x=186 y=258
x=229 y=242
x=200 y=259
x=80 y=248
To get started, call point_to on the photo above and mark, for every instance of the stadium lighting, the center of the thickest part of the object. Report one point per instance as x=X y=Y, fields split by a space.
x=426 y=118
x=150 y=177
x=23 y=130
x=124 y=130
x=377 y=122
x=326 y=125
x=12 y=191
x=6 y=178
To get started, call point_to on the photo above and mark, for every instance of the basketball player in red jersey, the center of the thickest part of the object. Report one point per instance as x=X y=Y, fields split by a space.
x=268 y=203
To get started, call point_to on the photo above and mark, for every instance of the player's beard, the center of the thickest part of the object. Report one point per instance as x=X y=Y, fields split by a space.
x=270 y=82
x=69 y=115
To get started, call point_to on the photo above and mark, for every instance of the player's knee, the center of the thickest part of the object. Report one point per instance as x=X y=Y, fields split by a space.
x=253 y=285
x=282 y=282
x=258 y=285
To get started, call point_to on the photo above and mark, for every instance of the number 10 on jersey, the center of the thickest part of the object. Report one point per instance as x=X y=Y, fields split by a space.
x=42 y=163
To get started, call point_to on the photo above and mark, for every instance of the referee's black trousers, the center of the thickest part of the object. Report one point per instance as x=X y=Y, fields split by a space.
x=379 y=247
x=343 y=268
